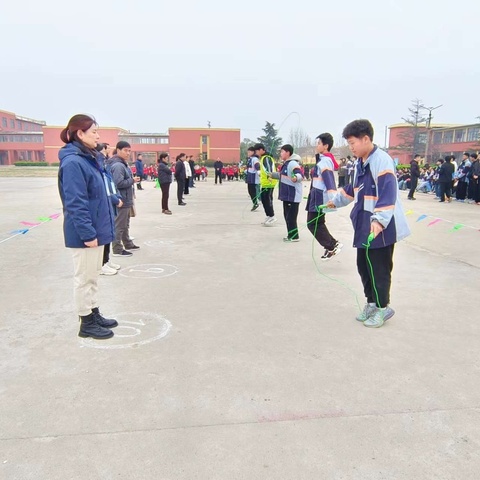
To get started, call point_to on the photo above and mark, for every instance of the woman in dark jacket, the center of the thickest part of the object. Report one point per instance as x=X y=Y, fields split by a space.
x=88 y=219
x=164 y=179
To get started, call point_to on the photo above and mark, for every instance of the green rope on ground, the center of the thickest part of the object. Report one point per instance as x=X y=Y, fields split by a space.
x=344 y=285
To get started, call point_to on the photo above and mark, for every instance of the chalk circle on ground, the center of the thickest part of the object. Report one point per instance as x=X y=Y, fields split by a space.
x=171 y=227
x=149 y=270
x=158 y=243
x=134 y=330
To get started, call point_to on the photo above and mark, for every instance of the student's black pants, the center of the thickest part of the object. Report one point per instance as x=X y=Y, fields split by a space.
x=290 y=213
x=381 y=260
x=316 y=225
x=186 y=191
x=252 y=191
x=180 y=188
x=267 y=200
x=106 y=254
x=413 y=186
x=218 y=176
x=461 y=190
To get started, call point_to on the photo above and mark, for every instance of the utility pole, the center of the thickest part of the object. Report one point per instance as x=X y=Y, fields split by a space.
x=429 y=128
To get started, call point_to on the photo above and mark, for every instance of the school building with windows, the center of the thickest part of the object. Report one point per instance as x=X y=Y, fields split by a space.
x=28 y=140
x=434 y=142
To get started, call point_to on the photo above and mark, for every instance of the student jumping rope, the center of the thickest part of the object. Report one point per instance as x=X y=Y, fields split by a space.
x=267 y=185
x=253 y=177
x=322 y=189
x=378 y=220
x=290 y=190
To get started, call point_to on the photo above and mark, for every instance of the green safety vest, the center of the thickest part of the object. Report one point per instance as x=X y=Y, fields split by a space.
x=266 y=182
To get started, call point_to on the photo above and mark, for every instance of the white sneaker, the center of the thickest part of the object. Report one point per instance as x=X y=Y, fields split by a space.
x=115 y=266
x=106 y=270
x=266 y=220
x=270 y=222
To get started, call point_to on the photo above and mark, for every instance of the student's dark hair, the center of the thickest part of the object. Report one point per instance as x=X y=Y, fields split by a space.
x=163 y=155
x=474 y=155
x=448 y=158
x=358 y=129
x=78 y=122
x=466 y=153
x=139 y=155
x=179 y=157
x=417 y=156
x=250 y=149
x=287 y=148
x=101 y=146
x=326 y=139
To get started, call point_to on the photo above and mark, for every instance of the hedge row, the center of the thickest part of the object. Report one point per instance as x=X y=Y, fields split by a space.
x=36 y=164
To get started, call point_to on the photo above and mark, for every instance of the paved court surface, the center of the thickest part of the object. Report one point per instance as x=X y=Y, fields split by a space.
x=235 y=358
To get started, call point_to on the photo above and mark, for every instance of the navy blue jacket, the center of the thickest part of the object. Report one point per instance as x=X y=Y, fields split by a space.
x=87 y=210
x=139 y=168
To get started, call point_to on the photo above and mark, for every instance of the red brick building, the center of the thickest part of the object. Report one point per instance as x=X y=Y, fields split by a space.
x=23 y=139
x=434 y=142
x=206 y=143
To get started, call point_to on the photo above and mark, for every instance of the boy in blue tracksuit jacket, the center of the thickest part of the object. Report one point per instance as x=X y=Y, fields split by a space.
x=253 y=177
x=290 y=190
x=322 y=190
x=378 y=220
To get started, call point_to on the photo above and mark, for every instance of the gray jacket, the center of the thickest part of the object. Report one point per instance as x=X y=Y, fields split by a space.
x=123 y=179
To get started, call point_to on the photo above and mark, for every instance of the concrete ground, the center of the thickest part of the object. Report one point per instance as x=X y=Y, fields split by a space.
x=236 y=358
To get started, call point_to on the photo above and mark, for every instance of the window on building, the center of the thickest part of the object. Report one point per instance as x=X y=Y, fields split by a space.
x=163 y=140
x=19 y=125
x=473 y=134
x=448 y=136
x=12 y=123
x=204 y=139
x=4 y=122
x=437 y=137
x=204 y=156
x=422 y=138
x=460 y=135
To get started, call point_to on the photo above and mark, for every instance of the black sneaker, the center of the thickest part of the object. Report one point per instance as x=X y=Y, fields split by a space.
x=182 y=204
x=331 y=253
x=254 y=207
x=133 y=247
x=124 y=253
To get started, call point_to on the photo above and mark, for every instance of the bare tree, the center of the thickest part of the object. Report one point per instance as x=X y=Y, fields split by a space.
x=414 y=139
x=302 y=142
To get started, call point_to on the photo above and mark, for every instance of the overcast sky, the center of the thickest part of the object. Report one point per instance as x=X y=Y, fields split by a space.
x=147 y=65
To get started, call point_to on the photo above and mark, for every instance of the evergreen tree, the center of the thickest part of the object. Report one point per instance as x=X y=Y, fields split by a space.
x=271 y=140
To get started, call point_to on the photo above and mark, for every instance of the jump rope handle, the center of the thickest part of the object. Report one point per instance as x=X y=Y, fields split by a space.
x=370 y=239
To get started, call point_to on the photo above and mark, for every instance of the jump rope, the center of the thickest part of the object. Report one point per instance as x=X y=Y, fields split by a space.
x=321 y=212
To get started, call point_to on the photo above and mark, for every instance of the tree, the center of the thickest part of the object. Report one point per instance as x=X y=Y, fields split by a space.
x=301 y=142
x=414 y=139
x=271 y=140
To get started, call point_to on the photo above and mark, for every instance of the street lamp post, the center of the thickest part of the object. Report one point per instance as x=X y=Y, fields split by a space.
x=429 y=128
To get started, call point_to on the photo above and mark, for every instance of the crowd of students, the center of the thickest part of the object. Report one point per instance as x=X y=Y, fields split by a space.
x=369 y=182
x=447 y=180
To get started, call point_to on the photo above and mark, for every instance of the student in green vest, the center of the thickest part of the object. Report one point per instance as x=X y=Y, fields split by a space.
x=267 y=167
